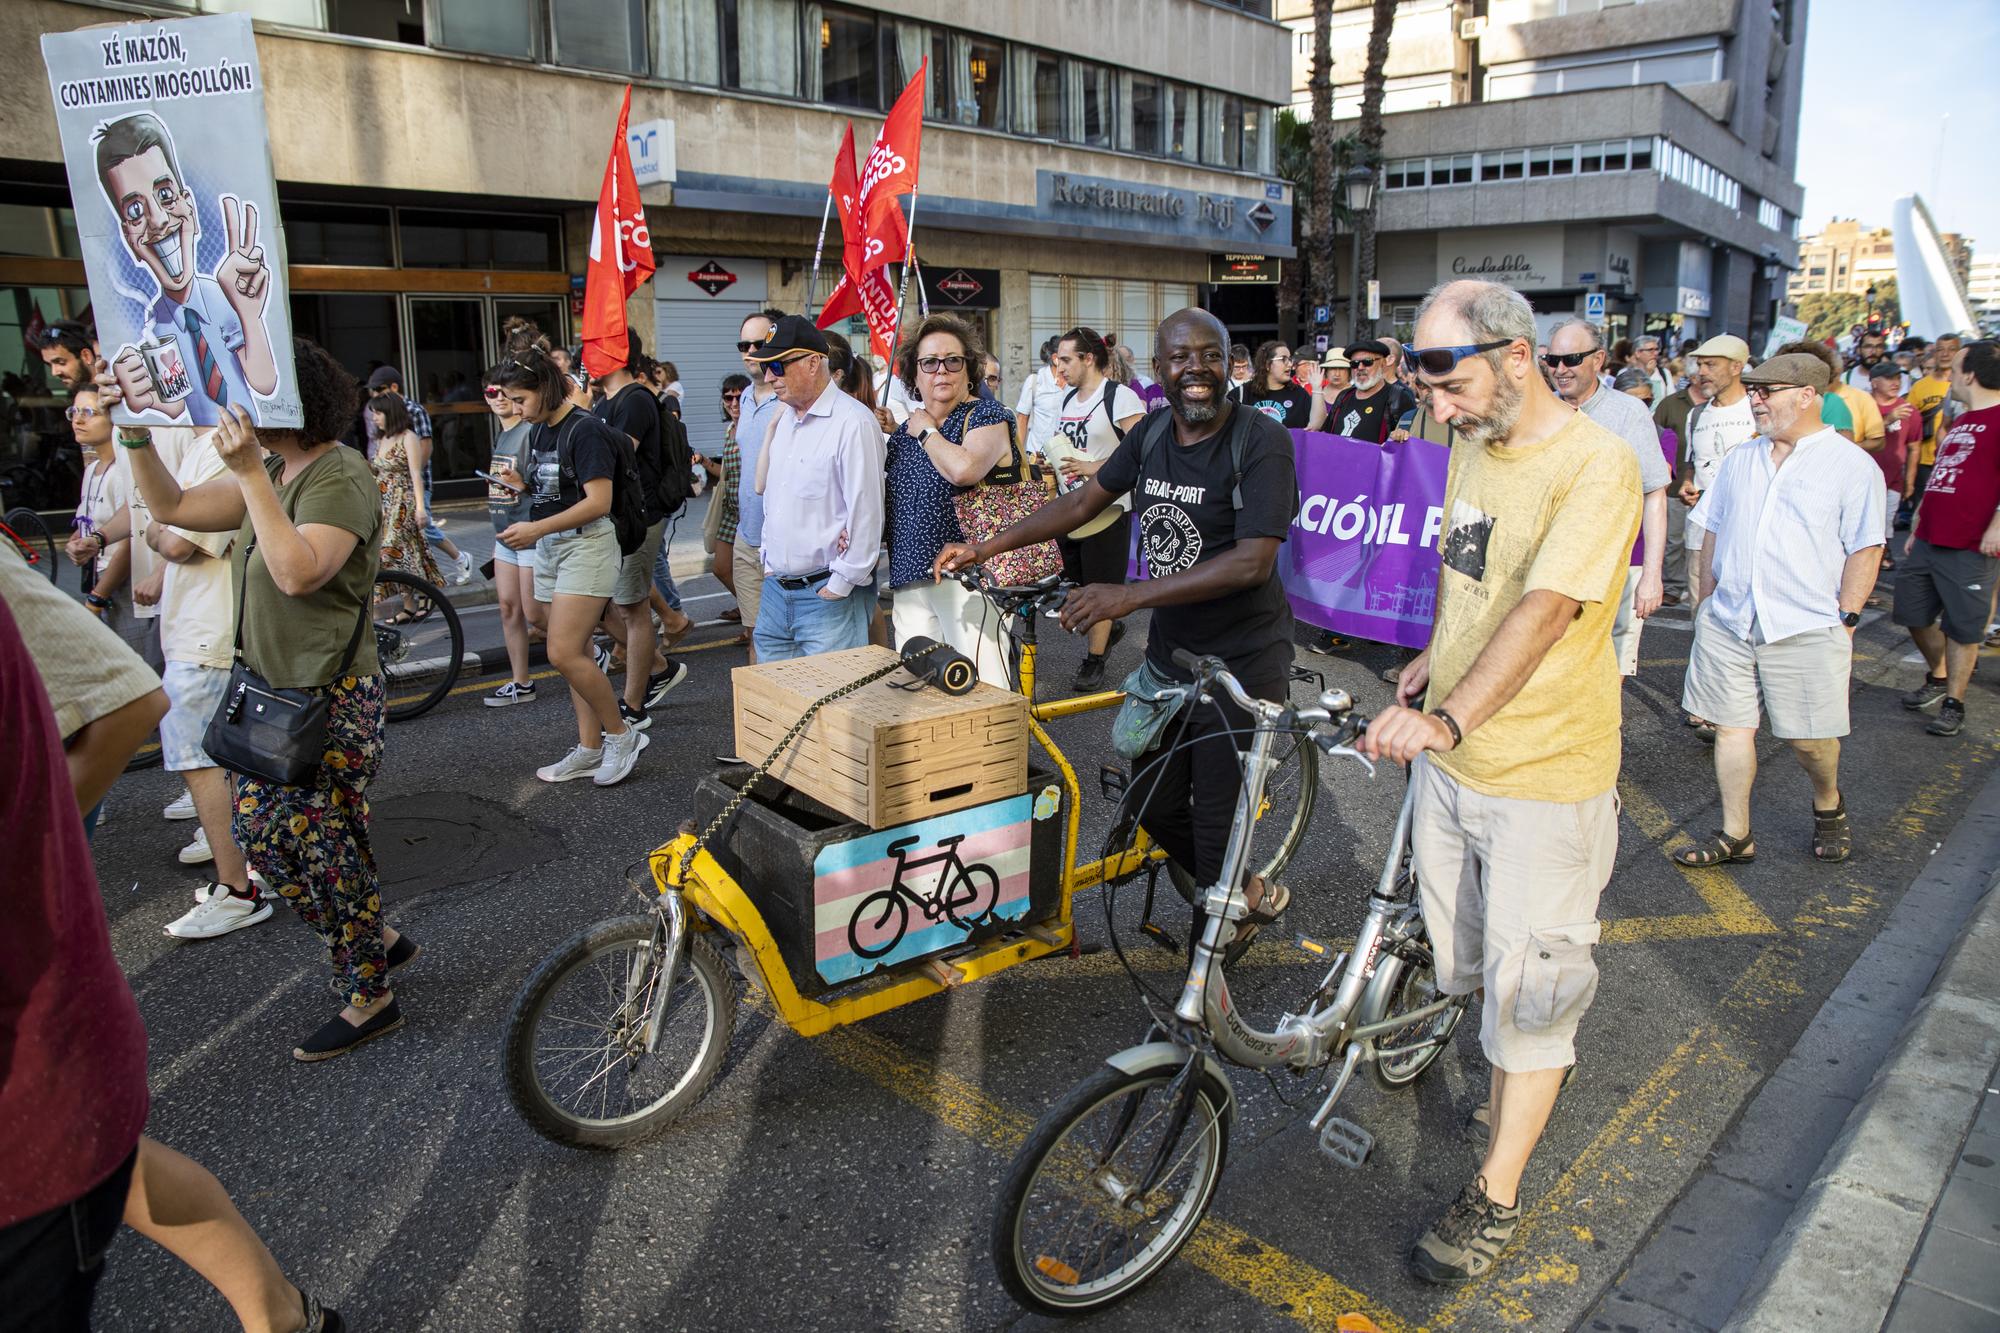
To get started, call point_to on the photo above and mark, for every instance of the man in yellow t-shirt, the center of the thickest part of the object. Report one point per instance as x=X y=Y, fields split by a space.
x=1929 y=396
x=1514 y=822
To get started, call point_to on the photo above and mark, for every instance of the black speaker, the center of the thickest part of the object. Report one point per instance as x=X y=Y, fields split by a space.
x=938 y=664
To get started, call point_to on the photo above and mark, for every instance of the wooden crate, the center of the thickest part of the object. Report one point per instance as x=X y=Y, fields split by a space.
x=883 y=755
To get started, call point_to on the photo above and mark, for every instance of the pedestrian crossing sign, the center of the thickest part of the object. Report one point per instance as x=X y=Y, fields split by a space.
x=1593 y=305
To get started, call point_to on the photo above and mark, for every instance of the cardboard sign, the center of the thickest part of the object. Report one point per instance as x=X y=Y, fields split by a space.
x=169 y=161
x=1784 y=329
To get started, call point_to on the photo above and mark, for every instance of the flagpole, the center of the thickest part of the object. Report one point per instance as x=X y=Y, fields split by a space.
x=923 y=293
x=812 y=283
x=902 y=290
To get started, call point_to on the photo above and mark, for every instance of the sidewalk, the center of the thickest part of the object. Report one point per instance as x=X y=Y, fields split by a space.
x=1860 y=1188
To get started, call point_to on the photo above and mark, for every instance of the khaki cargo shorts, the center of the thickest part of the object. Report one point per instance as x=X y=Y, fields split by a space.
x=1800 y=683
x=1510 y=890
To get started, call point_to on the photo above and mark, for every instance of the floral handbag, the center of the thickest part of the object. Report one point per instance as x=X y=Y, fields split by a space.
x=1009 y=494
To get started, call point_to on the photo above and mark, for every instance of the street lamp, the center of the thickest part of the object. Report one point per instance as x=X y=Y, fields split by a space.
x=1360 y=187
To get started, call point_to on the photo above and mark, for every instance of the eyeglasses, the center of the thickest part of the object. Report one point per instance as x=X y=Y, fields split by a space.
x=1443 y=360
x=75 y=413
x=1764 y=391
x=1570 y=359
x=1282 y=356
x=993 y=380
x=931 y=365
x=750 y=346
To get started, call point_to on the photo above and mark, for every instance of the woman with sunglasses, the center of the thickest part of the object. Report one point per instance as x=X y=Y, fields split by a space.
x=507 y=503
x=951 y=440
x=107 y=565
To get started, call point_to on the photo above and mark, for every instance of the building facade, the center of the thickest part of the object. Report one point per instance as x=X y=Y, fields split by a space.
x=438 y=162
x=1641 y=151
x=1983 y=289
x=1844 y=257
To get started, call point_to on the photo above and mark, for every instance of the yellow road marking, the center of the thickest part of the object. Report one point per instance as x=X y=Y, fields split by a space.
x=1730 y=910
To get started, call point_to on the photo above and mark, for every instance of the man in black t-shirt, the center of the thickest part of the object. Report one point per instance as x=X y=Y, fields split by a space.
x=1376 y=403
x=628 y=406
x=1213 y=581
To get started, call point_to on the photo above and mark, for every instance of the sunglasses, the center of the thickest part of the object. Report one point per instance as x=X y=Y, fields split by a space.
x=931 y=365
x=735 y=397
x=79 y=413
x=749 y=346
x=1443 y=360
x=778 y=368
x=493 y=391
x=1570 y=359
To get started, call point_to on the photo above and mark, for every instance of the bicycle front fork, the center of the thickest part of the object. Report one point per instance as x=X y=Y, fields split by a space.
x=668 y=939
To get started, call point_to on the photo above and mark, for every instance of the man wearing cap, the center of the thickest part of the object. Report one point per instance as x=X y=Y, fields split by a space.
x=1576 y=364
x=1793 y=522
x=1716 y=426
x=1372 y=407
x=1902 y=430
x=1646 y=356
x=388 y=379
x=821 y=478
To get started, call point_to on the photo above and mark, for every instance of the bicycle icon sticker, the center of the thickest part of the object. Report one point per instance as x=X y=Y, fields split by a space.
x=888 y=897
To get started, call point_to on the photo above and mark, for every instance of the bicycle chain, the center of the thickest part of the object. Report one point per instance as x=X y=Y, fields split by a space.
x=735 y=802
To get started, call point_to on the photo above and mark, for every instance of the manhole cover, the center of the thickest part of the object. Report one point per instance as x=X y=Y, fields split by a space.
x=440 y=839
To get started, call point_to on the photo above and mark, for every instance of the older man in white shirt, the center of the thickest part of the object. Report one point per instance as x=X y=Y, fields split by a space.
x=1794 y=539
x=821 y=477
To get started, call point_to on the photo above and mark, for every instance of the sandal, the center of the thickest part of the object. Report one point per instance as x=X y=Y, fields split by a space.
x=733 y=615
x=1833 y=836
x=337 y=1036
x=405 y=617
x=1722 y=851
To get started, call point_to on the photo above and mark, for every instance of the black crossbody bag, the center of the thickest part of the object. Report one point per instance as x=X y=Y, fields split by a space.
x=261 y=731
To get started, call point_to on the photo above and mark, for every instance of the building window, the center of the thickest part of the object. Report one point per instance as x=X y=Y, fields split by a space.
x=1038 y=93
x=690 y=41
x=760 y=46
x=346 y=234
x=1183 y=137
x=433 y=238
x=1089 y=103
x=601 y=34
x=1146 y=110
x=845 y=68
x=979 y=72
x=489 y=27
x=382 y=20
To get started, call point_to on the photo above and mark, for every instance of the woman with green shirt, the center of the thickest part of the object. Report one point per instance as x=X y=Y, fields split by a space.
x=308 y=517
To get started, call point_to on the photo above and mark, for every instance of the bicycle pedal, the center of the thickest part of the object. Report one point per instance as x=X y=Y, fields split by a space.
x=1313 y=947
x=1160 y=937
x=1112 y=781
x=1345 y=1142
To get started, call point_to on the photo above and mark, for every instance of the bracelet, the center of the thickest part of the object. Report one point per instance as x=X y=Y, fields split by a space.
x=101 y=543
x=101 y=603
x=1457 y=736
x=140 y=441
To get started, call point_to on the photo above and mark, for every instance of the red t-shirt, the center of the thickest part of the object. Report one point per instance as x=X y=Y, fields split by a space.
x=1898 y=438
x=1964 y=488
x=71 y=1042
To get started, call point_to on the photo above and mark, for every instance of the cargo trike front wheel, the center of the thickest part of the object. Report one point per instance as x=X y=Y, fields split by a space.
x=593 y=1059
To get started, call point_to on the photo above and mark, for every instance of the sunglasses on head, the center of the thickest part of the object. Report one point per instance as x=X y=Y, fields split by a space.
x=1443 y=360
x=1570 y=359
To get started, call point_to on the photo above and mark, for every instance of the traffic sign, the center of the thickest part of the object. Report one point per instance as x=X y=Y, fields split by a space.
x=1321 y=341
x=1593 y=305
x=1322 y=314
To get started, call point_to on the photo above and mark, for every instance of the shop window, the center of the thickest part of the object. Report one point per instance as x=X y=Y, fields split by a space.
x=438 y=239
x=761 y=44
x=1136 y=321
x=317 y=233
x=490 y=27
x=601 y=34
x=844 y=69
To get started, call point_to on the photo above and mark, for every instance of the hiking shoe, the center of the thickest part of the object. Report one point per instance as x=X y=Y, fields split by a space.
x=513 y=692
x=620 y=753
x=633 y=717
x=197 y=852
x=1463 y=1244
x=218 y=915
x=1950 y=719
x=578 y=763
x=1089 y=676
x=661 y=683
x=1925 y=694
x=337 y=1036
x=182 y=807
x=1479 y=1126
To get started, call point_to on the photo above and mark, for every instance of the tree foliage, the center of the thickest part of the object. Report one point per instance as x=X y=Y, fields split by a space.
x=1832 y=314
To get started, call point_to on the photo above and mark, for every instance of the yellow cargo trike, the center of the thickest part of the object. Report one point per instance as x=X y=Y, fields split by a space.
x=625 y=1026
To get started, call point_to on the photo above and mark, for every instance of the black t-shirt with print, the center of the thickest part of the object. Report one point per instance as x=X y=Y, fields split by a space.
x=562 y=457
x=1185 y=514
x=1371 y=418
x=1290 y=407
x=634 y=411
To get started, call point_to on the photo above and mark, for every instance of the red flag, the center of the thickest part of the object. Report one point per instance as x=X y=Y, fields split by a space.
x=891 y=171
x=621 y=257
x=845 y=299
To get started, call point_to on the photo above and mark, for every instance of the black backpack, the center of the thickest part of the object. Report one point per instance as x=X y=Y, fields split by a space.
x=677 y=466
x=1111 y=388
x=628 y=501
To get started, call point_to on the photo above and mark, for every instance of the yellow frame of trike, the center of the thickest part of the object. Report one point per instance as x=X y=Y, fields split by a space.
x=715 y=896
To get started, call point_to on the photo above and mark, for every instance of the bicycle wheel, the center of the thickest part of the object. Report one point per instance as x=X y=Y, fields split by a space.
x=1412 y=984
x=38 y=543
x=1072 y=1234
x=979 y=893
x=891 y=904
x=420 y=642
x=576 y=1066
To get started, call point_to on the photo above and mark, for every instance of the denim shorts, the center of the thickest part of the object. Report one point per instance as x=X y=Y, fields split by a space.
x=194 y=692
x=582 y=562
x=504 y=554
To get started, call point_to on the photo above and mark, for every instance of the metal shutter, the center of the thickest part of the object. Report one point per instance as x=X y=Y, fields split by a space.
x=699 y=337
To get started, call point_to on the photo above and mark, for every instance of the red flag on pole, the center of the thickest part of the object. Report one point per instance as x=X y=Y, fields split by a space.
x=845 y=300
x=621 y=256
x=891 y=172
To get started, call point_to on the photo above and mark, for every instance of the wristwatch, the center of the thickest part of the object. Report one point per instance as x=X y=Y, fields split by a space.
x=925 y=434
x=1850 y=618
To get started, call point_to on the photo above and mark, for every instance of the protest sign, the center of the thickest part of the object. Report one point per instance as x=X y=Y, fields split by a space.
x=1362 y=557
x=169 y=160
x=1784 y=329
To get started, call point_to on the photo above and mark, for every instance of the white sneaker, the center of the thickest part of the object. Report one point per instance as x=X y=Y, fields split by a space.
x=464 y=574
x=263 y=886
x=197 y=852
x=182 y=808
x=220 y=914
x=620 y=753
x=578 y=763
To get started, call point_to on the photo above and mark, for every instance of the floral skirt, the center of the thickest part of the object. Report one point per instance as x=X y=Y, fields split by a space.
x=311 y=841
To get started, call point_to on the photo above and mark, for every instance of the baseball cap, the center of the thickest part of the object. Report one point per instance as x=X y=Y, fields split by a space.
x=383 y=376
x=1791 y=368
x=794 y=333
x=1886 y=370
x=1726 y=345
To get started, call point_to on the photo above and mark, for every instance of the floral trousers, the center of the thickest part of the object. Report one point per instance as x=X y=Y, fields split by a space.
x=311 y=841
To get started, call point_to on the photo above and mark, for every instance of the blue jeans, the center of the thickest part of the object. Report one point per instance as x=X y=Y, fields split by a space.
x=432 y=532
x=663 y=566
x=798 y=622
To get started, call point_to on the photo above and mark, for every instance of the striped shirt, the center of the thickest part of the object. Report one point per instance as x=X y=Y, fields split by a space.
x=1783 y=533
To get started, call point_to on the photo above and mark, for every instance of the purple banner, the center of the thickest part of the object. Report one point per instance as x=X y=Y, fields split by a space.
x=1362 y=559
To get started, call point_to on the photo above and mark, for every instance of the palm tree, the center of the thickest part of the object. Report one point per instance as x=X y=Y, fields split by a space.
x=1294 y=159
x=1326 y=180
x=1370 y=136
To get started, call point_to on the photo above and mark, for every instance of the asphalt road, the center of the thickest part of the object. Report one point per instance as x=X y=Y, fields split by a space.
x=847 y=1181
